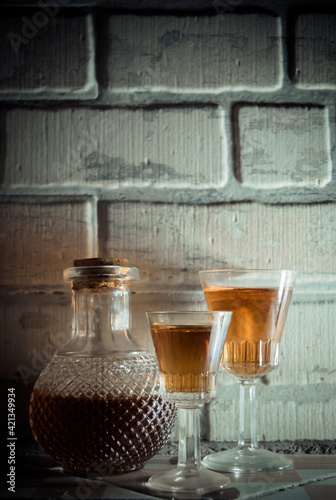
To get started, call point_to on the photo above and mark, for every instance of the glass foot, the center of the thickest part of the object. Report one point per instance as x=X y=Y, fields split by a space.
x=188 y=480
x=247 y=459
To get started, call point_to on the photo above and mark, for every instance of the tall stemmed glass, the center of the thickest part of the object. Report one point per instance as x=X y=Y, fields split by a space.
x=259 y=300
x=188 y=347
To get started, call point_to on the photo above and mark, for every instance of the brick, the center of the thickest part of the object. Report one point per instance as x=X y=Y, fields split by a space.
x=284 y=146
x=39 y=240
x=33 y=326
x=116 y=148
x=276 y=421
x=229 y=51
x=307 y=347
x=170 y=243
x=48 y=56
x=315 y=51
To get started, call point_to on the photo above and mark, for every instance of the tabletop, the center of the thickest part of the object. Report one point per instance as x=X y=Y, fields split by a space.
x=313 y=477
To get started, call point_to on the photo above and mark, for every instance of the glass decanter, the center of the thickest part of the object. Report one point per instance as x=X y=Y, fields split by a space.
x=96 y=409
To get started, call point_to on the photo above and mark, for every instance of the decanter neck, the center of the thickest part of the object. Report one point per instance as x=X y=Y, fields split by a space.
x=101 y=319
x=101 y=291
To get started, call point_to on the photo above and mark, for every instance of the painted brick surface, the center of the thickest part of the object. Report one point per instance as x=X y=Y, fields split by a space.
x=307 y=348
x=279 y=420
x=209 y=145
x=194 y=53
x=315 y=51
x=170 y=243
x=32 y=327
x=114 y=147
x=282 y=146
x=39 y=240
x=45 y=54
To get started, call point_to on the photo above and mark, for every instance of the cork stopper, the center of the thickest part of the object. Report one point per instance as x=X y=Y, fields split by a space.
x=101 y=261
x=100 y=273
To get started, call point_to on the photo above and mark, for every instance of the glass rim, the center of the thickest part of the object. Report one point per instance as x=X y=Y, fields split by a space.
x=195 y=316
x=174 y=318
x=245 y=270
x=189 y=312
x=87 y=272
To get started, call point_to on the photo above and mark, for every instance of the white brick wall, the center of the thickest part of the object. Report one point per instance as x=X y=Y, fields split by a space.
x=191 y=53
x=45 y=55
x=115 y=148
x=284 y=146
x=38 y=239
x=182 y=141
x=33 y=327
x=315 y=61
x=182 y=239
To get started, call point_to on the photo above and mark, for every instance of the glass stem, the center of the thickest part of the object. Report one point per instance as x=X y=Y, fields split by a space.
x=247 y=420
x=189 y=453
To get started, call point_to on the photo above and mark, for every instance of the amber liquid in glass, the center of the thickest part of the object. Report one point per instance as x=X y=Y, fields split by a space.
x=251 y=348
x=95 y=435
x=182 y=353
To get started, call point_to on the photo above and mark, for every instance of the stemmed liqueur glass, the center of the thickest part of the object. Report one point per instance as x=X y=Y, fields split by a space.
x=188 y=347
x=259 y=301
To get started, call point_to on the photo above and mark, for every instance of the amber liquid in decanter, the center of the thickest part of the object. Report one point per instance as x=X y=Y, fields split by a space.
x=100 y=435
